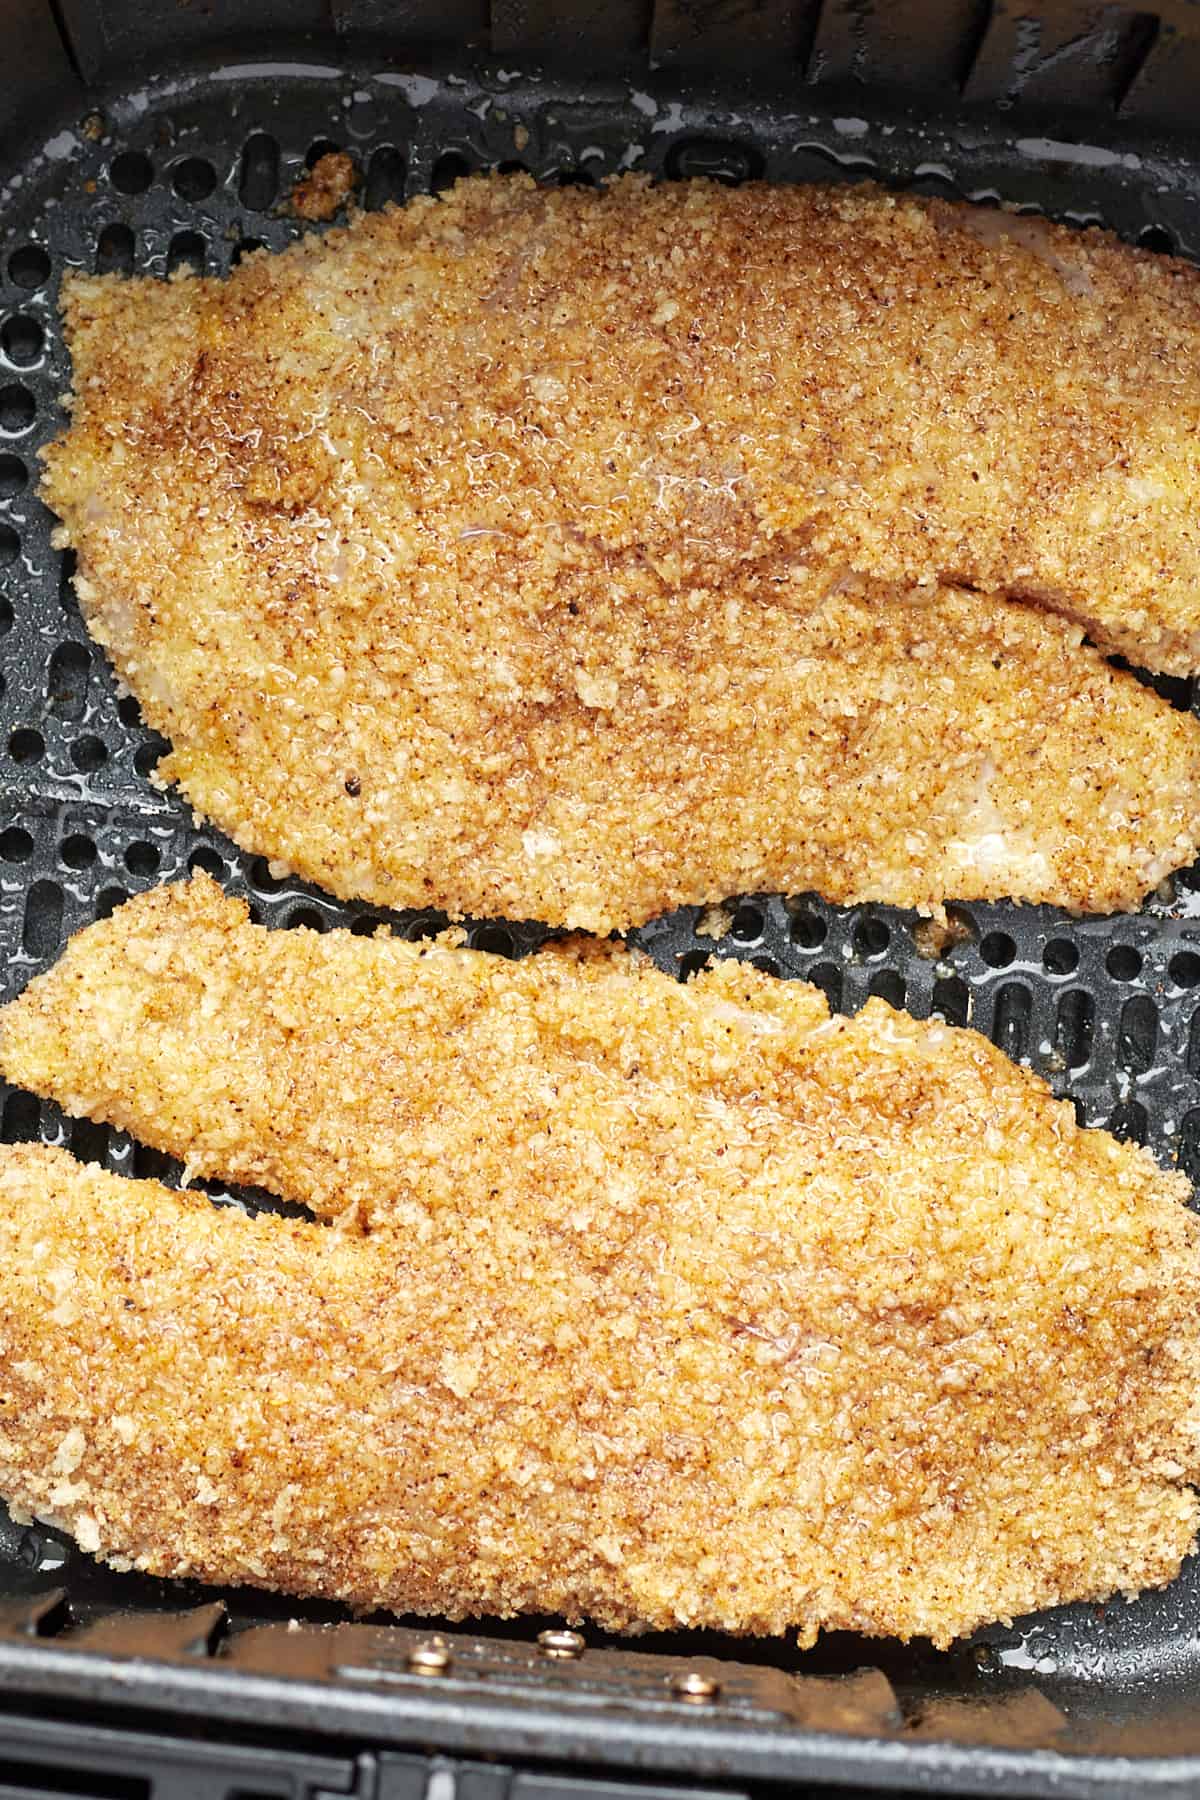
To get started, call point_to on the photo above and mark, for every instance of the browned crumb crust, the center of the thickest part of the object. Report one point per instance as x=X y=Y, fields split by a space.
x=326 y=188
x=490 y=552
x=655 y=1304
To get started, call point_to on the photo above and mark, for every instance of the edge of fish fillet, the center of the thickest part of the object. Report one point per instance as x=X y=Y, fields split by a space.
x=585 y=885
x=1091 y=267
x=1129 y=1283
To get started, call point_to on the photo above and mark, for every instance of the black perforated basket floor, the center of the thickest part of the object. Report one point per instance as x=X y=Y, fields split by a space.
x=195 y=171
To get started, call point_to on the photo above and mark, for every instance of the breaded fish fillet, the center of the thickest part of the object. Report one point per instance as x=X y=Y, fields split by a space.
x=655 y=1305
x=497 y=552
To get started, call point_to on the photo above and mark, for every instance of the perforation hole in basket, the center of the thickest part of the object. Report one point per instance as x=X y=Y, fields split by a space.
x=116 y=248
x=951 y=999
x=142 y=859
x=691 y=963
x=997 y=950
x=108 y=900
x=1074 y=1028
x=263 y=878
x=1184 y=969
x=1189 y=1145
x=193 y=179
x=497 y=940
x=871 y=937
x=1123 y=962
x=1060 y=957
x=719 y=159
x=131 y=172
x=311 y=918
x=20 y=1122
x=26 y=745
x=258 y=176
x=1010 y=1021
x=18 y=409
x=1130 y=1123
x=67 y=681
x=14 y=476
x=322 y=146
x=1137 y=1036
x=828 y=978
x=29 y=267
x=748 y=923
x=66 y=583
x=425 y=925
x=387 y=171
x=887 y=985
x=89 y=1141
x=206 y=862
x=89 y=753
x=42 y=929
x=77 y=851
x=22 y=340
x=808 y=930
x=16 y=845
x=450 y=166
x=187 y=250
x=152 y=1165
x=147 y=756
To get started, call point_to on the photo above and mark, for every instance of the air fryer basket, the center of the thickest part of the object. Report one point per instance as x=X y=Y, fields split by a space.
x=140 y=138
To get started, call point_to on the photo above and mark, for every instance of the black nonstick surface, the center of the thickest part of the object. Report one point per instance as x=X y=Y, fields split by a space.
x=197 y=170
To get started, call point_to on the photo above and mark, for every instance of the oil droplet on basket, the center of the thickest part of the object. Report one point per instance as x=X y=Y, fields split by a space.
x=1028 y=1656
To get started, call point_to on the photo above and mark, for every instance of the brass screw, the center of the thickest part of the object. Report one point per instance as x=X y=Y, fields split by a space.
x=562 y=1644
x=430 y=1658
x=695 y=1688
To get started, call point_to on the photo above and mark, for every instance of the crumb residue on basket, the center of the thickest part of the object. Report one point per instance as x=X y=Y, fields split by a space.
x=324 y=190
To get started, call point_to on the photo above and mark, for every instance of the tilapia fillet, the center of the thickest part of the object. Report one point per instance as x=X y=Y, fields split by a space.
x=577 y=556
x=649 y=1304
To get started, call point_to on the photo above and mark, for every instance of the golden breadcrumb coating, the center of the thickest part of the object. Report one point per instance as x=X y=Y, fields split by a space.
x=653 y=1304
x=495 y=552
